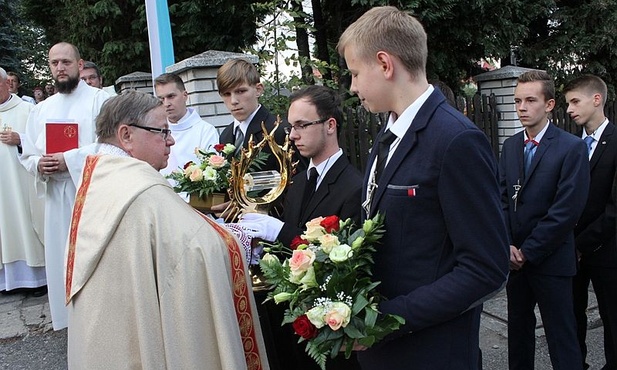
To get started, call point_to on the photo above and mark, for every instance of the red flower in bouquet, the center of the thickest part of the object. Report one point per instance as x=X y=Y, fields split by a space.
x=304 y=328
x=297 y=241
x=330 y=224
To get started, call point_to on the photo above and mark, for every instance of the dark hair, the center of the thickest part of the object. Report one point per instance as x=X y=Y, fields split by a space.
x=326 y=101
x=89 y=64
x=548 y=85
x=590 y=83
x=167 y=78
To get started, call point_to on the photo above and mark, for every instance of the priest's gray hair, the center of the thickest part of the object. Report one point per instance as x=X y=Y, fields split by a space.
x=131 y=107
x=3 y=74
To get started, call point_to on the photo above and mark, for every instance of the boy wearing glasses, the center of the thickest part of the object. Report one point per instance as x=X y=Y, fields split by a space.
x=330 y=186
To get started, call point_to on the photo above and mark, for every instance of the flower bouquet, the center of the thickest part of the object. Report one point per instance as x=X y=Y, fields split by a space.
x=210 y=175
x=212 y=172
x=325 y=278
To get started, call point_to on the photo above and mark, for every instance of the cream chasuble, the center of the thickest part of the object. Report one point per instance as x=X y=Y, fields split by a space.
x=150 y=283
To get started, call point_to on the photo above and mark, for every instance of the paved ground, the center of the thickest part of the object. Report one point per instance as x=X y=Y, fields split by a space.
x=28 y=342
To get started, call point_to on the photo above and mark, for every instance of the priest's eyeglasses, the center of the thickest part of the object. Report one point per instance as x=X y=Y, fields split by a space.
x=301 y=126
x=163 y=131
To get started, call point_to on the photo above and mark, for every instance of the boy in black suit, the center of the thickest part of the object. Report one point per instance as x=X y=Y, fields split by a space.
x=330 y=186
x=239 y=85
x=595 y=231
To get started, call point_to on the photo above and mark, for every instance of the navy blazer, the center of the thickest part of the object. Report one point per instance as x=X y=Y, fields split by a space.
x=595 y=231
x=550 y=200
x=338 y=194
x=445 y=249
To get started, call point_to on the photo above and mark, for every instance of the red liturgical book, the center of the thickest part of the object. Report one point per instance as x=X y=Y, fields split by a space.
x=61 y=136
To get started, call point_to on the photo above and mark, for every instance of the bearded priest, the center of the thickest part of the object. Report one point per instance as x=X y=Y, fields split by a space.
x=150 y=282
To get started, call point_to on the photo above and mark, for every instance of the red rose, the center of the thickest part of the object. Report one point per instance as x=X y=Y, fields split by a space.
x=330 y=223
x=187 y=164
x=296 y=242
x=304 y=328
x=219 y=147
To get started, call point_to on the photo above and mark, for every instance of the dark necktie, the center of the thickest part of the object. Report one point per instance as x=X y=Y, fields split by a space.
x=588 y=140
x=530 y=150
x=382 y=155
x=239 y=141
x=311 y=184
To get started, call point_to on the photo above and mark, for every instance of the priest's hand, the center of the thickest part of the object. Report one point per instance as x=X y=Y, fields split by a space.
x=10 y=138
x=219 y=210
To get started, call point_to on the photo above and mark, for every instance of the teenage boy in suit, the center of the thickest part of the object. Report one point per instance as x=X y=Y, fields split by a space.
x=595 y=231
x=544 y=174
x=436 y=264
x=315 y=117
x=239 y=85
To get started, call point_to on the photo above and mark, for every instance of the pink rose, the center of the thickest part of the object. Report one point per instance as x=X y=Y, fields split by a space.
x=217 y=161
x=196 y=174
x=338 y=316
x=301 y=260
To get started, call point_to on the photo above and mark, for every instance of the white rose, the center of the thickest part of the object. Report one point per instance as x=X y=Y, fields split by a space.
x=340 y=253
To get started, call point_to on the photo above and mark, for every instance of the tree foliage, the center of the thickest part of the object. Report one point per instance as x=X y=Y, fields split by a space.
x=572 y=38
x=113 y=33
x=23 y=48
x=565 y=37
x=9 y=47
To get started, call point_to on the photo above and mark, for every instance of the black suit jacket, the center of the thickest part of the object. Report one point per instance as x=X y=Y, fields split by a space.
x=254 y=129
x=595 y=231
x=338 y=194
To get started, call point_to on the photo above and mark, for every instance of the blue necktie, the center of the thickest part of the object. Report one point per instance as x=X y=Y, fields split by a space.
x=588 y=140
x=530 y=149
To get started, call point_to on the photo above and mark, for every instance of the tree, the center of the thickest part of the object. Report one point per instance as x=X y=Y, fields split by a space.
x=9 y=47
x=573 y=38
x=24 y=47
x=113 y=33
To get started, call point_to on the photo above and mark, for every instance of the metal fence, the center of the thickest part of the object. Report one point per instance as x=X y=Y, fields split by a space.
x=361 y=127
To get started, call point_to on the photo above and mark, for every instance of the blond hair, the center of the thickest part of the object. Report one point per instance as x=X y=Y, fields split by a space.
x=391 y=30
x=236 y=72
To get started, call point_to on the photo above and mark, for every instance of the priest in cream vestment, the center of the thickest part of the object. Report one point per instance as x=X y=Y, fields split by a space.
x=151 y=283
x=22 y=255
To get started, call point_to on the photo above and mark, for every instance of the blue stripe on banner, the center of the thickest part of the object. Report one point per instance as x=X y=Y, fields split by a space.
x=159 y=35
x=167 y=44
